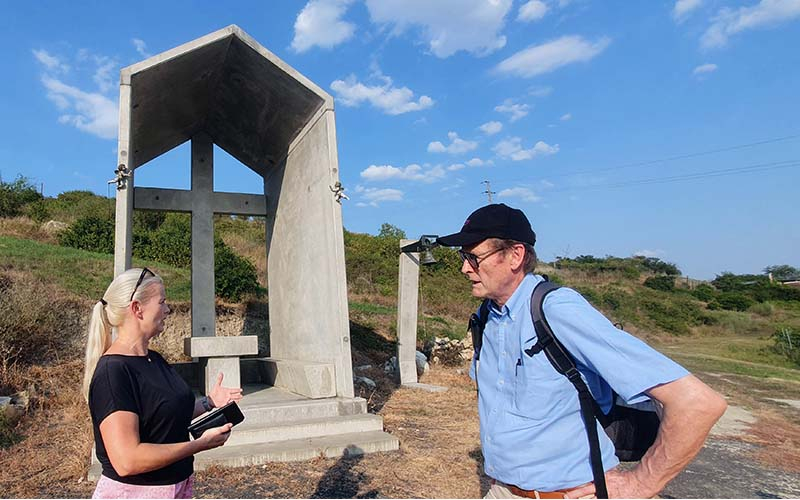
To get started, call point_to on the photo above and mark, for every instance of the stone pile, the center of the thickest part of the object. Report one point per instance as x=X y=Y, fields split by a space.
x=449 y=351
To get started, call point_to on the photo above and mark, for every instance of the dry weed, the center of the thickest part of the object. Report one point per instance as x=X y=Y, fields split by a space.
x=25 y=228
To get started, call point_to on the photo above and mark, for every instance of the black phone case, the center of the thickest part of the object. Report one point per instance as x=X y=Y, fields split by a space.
x=230 y=413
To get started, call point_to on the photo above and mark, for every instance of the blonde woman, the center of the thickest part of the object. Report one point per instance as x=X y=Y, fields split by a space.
x=140 y=406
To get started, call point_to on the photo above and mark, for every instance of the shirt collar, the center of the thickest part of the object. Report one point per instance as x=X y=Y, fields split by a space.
x=520 y=297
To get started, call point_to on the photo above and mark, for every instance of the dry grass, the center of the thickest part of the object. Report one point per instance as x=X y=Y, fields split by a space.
x=23 y=227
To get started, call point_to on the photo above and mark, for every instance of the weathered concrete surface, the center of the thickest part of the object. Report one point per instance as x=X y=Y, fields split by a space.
x=203 y=317
x=407 y=304
x=202 y=347
x=309 y=379
x=212 y=367
x=308 y=310
x=722 y=470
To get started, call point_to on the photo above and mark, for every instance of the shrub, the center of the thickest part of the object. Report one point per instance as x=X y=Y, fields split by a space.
x=170 y=243
x=15 y=195
x=658 y=266
x=92 y=233
x=787 y=343
x=33 y=324
x=234 y=276
x=764 y=309
x=734 y=301
x=704 y=292
x=663 y=283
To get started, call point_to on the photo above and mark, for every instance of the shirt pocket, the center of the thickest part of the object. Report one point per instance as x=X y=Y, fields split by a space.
x=539 y=390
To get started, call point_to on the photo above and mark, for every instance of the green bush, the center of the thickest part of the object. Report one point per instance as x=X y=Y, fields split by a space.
x=70 y=206
x=170 y=243
x=764 y=309
x=92 y=233
x=787 y=343
x=658 y=266
x=663 y=283
x=15 y=195
x=704 y=292
x=234 y=276
x=734 y=301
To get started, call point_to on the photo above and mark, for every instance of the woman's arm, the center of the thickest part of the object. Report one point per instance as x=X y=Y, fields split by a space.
x=129 y=456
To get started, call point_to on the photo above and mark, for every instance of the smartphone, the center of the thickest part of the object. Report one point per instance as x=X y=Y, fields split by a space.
x=228 y=414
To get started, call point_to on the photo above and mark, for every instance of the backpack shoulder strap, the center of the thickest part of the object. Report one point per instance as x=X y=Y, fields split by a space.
x=562 y=361
x=477 y=323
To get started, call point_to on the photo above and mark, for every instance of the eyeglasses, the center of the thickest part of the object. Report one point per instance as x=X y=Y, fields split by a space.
x=475 y=260
x=139 y=282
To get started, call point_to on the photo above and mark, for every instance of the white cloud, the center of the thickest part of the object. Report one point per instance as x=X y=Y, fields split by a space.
x=491 y=128
x=512 y=149
x=320 y=24
x=447 y=26
x=540 y=91
x=456 y=185
x=534 y=10
x=456 y=166
x=50 y=61
x=540 y=59
x=103 y=75
x=522 y=193
x=566 y=117
x=683 y=8
x=91 y=112
x=704 y=69
x=374 y=196
x=515 y=111
x=457 y=145
x=141 y=47
x=477 y=162
x=764 y=14
x=412 y=172
x=389 y=99
x=649 y=253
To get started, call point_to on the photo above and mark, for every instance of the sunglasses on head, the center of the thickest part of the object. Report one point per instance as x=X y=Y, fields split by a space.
x=139 y=282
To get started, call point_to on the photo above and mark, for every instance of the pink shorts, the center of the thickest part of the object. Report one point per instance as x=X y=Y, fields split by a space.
x=108 y=488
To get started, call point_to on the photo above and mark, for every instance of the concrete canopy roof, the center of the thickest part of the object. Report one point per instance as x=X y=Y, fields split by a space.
x=226 y=84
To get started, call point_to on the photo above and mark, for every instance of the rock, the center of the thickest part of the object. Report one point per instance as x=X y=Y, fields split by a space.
x=366 y=381
x=363 y=367
x=54 y=227
x=422 y=364
x=391 y=366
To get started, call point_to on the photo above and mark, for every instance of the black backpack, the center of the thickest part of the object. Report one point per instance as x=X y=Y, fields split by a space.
x=631 y=430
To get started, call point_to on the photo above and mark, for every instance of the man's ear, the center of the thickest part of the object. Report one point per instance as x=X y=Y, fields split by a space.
x=517 y=255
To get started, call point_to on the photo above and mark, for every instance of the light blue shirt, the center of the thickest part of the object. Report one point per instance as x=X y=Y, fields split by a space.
x=532 y=433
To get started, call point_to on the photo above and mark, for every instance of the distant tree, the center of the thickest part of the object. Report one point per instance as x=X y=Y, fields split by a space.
x=660 y=267
x=782 y=272
x=15 y=195
x=391 y=231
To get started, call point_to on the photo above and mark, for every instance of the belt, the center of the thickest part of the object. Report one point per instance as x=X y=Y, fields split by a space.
x=531 y=493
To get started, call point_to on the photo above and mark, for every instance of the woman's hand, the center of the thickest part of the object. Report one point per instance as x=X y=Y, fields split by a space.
x=216 y=436
x=220 y=396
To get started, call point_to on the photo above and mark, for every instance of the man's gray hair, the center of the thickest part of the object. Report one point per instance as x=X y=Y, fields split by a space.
x=529 y=262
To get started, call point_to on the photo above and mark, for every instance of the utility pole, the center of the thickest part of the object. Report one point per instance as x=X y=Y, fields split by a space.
x=488 y=191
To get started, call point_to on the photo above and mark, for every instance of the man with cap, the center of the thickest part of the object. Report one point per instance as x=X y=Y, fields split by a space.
x=532 y=434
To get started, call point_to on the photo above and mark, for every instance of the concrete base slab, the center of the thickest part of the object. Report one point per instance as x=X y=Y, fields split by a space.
x=283 y=426
x=297 y=449
x=309 y=379
x=426 y=387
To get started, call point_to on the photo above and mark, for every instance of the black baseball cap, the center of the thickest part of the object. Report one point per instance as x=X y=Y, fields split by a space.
x=492 y=221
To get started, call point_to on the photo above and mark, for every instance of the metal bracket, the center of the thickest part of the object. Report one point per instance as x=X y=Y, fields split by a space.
x=338 y=192
x=121 y=177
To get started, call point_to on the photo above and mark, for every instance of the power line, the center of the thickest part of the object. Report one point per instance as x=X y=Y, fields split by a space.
x=759 y=167
x=677 y=157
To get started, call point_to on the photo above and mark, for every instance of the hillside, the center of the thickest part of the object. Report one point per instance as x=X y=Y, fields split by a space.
x=735 y=332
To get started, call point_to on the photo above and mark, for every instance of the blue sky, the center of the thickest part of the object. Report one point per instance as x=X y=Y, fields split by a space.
x=662 y=128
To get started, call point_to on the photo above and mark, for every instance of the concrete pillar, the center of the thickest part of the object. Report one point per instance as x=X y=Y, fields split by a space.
x=123 y=224
x=203 y=305
x=407 y=303
x=308 y=314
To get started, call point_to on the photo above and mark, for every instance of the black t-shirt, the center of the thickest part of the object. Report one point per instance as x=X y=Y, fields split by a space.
x=149 y=387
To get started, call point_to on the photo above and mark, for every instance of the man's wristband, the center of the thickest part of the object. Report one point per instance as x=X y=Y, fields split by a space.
x=206 y=403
